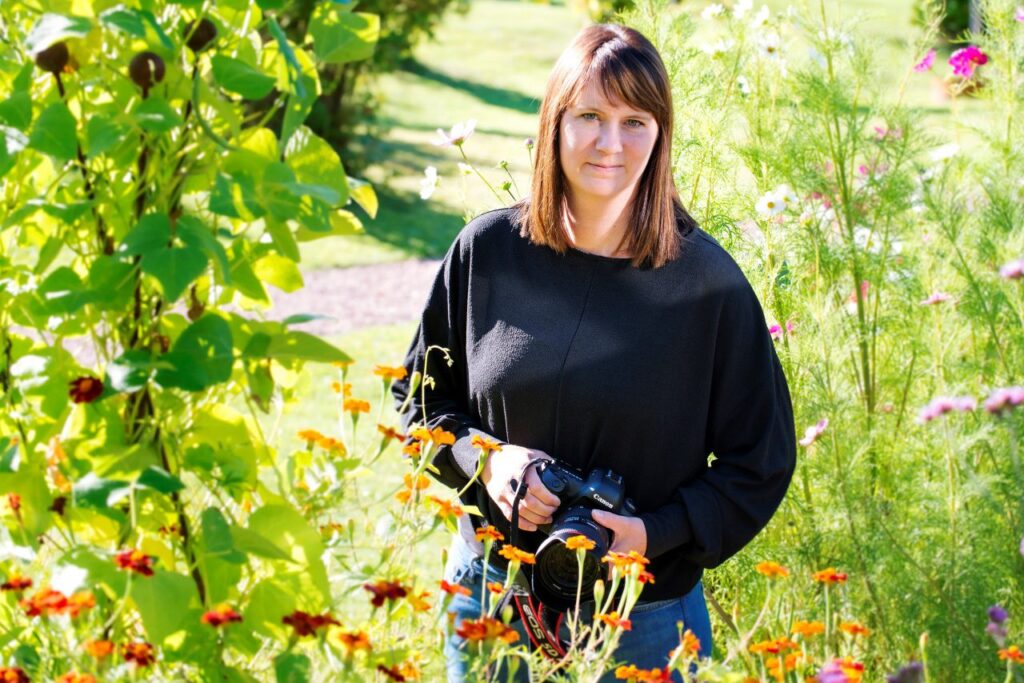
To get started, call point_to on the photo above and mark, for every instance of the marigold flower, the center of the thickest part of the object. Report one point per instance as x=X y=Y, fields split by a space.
x=332 y=445
x=688 y=647
x=140 y=654
x=645 y=577
x=579 y=542
x=625 y=561
x=391 y=433
x=343 y=364
x=613 y=620
x=926 y=62
x=854 y=628
x=14 y=502
x=79 y=602
x=13 y=674
x=85 y=389
x=966 y=59
x=393 y=373
x=419 y=601
x=310 y=436
x=385 y=590
x=99 y=649
x=489 y=532
x=844 y=670
x=779 y=666
x=829 y=575
x=486 y=629
x=807 y=628
x=1012 y=653
x=411 y=486
x=632 y=673
x=774 y=647
x=812 y=433
x=496 y=587
x=16 y=583
x=355 y=405
x=437 y=435
x=772 y=570
x=135 y=561
x=514 y=554
x=455 y=589
x=411 y=449
x=485 y=445
x=306 y=624
x=221 y=615
x=446 y=508
x=75 y=677
x=46 y=602
x=353 y=641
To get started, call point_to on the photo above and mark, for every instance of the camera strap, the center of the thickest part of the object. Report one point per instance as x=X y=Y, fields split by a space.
x=543 y=634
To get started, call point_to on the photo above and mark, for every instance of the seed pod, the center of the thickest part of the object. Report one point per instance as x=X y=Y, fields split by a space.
x=200 y=36
x=146 y=69
x=53 y=58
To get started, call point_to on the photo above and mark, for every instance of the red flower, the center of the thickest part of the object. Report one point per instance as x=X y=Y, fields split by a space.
x=16 y=583
x=613 y=620
x=99 y=648
x=141 y=654
x=306 y=624
x=486 y=629
x=455 y=589
x=220 y=615
x=47 y=602
x=85 y=389
x=385 y=590
x=830 y=575
x=13 y=674
x=135 y=561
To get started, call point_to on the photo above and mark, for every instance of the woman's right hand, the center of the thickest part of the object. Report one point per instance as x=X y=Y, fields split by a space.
x=502 y=467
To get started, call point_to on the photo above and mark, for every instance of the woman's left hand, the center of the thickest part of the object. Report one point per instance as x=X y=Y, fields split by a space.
x=628 y=533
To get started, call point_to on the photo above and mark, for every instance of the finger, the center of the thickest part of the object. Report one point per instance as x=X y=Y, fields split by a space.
x=538 y=506
x=531 y=516
x=525 y=522
x=606 y=519
x=537 y=488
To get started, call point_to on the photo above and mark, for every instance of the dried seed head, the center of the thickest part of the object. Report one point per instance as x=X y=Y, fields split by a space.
x=146 y=69
x=53 y=58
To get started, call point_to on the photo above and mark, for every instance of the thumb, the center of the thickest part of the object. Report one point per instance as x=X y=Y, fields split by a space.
x=607 y=519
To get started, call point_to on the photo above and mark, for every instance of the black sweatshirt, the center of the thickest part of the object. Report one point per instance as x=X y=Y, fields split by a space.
x=600 y=364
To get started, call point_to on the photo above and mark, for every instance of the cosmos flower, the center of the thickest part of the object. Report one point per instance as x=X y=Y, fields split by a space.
x=429 y=182
x=458 y=135
x=813 y=432
x=946 y=404
x=966 y=59
x=926 y=62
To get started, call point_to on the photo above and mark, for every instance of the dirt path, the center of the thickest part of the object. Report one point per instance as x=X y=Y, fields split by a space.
x=360 y=296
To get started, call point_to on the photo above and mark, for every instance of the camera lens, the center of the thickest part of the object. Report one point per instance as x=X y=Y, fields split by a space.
x=556 y=574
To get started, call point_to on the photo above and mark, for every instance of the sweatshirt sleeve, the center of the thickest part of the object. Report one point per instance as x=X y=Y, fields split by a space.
x=751 y=433
x=446 y=404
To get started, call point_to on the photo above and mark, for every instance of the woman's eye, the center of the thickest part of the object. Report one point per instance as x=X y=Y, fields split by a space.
x=587 y=115
x=635 y=123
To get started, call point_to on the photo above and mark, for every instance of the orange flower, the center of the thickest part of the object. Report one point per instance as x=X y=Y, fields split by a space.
x=854 y=628
x=579 y=542
x=411 y=449
x=853 y=670
x=355 y=405
x=484 y=444
x=774 y=647
x=486 y=629
x=455 y=589
x=437 y=435
x=135 y=561
x=343 y=364
x=829 y=575
x=488 y=533
x=13 y=674
x=14 y=502
x=772 y=570
x=332 y=445
x=626 y=561
x=306 y=624
x=46 y=602
x=75 y=677
x=514 y=554
x=310 y=436
x=85 y=389
x=141 y=654
x=99 y=648
x=807 y=628
x=388 y=372
x=613 y=620
x=645 y=577
x=354 y=640
x=391 y=433
x=419 y=601
x=385 y=590
x=16 y=583
x=446 y=508
x=80 y=601
x=221 y=615
x=496 y=587
x=410 y=486
x=632 y=673
x=1012 y=653
x=779 y=666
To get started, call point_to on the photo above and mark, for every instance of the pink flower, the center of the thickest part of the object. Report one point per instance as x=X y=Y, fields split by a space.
x=966 y=59
x=1013 y=270
x=460 y=132
x=1019 y=14
x=926 y=62
x=1004 y=399
x=813 y=432
x=936 y=298
x=946 y=404
x=776 y=330
x=881 y=133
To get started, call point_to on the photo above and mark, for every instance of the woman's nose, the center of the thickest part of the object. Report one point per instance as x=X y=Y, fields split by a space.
x=608 y=139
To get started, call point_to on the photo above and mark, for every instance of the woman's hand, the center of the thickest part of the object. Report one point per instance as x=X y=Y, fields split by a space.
x=505 y=465
x=628 y=533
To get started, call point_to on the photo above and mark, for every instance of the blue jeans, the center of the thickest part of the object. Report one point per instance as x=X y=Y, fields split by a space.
x=647 y=644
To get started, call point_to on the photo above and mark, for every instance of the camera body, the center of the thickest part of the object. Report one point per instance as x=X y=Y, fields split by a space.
x=556 y=574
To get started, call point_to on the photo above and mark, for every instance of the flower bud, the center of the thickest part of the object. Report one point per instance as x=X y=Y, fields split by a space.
x=200 y=36
x=598 y=591
x=53 y=58
x=146 y=69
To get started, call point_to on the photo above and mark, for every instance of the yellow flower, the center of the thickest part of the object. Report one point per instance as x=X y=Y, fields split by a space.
x=310 y=435
x=829 y=575
x=514 y=554
x=437 y=435
x=854 y=628
x=354 y=405
x=807 y=628
x=772 y=570
x=626 y=561
x=485 y=445
x=613 y=620
x=579 y=542
x=410 y=486
x=488 y=532
x=392 y=373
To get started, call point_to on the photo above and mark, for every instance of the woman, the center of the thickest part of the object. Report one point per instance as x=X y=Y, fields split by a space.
x=596 y=324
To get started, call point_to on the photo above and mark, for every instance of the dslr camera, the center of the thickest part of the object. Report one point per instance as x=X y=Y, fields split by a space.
x=556 y=574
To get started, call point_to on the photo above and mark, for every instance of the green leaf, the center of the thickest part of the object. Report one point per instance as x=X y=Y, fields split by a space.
x=110 y=283
x=278 y=195
x=363 y=194
x=316 y=164
x=341 y=36
x=16 y=110
x=54 y=132
x=297 y=106
x=300 y=318
x=61 y=292
x=125 y=20
x=292 y=668
x=270 y=601
x=340 y=222
x=159 y=479
x=284 y=242
x=151 y=233
x=130 y=371
x=156 y=116
x=9 y=456
x=102 y=135
x=292 y=533
x=175 y=269
x=294 y=345
x=55 y=27
x=238 y=77
x=194 y=234
x=167 y=603
x=201 y=357
x=279 y=271
x=94 y=491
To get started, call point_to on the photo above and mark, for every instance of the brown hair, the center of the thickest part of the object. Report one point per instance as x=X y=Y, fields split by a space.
x=629 y=70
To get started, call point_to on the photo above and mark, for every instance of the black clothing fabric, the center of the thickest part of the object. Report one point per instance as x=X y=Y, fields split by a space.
x=600 y=364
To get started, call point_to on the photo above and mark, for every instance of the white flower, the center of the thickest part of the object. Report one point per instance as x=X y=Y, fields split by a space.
x=761 y=18
x=711 y=11
x=744 y=85
x=465 y=169
x=768 y=44
x=770 y=204
x=429 y=183
x=741 y=8
x=459 y=133
x=785 y=192
x=945 y=152
x=714 y=49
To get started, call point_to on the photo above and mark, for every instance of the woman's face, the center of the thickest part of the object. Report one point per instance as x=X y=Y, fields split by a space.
x=604 y=146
